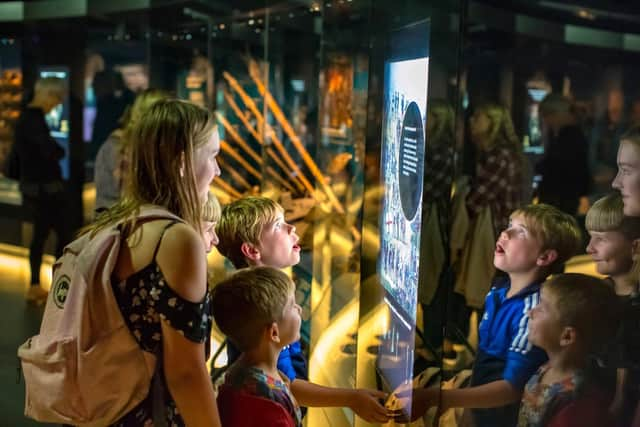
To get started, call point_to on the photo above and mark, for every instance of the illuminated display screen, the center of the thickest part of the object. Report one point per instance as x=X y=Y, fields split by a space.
x=403 y=141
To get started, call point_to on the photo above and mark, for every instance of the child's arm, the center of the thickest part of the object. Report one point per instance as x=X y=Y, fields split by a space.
x=364 y=403
x=491 y=395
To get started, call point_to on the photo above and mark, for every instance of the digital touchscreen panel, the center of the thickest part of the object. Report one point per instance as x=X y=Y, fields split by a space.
x=402 y=167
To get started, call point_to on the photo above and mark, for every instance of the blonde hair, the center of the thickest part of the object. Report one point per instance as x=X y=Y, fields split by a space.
x=607 y=214
x=577 y=298
x=161 y=171
x=211 y=211
x=132 y=116
x=443 y=130
x=554 y=229
x=50 y=86
x=242 y=221
x=501 y=132
x=249 y=301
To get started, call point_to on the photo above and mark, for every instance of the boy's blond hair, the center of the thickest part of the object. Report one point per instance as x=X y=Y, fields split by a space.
x=554 y=229
x=579 y=299
x=211 y=211
x=607 y=214
x=242 y=221
x=248 y=301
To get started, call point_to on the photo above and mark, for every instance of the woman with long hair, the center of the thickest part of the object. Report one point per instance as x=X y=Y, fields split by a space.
x=160 y=278
x=498 y=181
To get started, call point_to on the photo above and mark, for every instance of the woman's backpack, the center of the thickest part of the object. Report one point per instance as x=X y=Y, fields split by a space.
x=85 y=368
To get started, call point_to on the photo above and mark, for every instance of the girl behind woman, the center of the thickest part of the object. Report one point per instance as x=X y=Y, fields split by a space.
x=160 y=275
x=112 y=158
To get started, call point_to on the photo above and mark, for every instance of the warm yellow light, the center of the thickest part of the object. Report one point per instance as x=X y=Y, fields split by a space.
x=14 y=262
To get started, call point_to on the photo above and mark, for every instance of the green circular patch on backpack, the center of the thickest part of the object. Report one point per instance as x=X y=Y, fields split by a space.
x=61 y=290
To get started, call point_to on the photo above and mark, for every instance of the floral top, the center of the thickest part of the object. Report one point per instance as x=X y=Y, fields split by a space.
x=256 y=382
x=144 y=300
x=539 y=400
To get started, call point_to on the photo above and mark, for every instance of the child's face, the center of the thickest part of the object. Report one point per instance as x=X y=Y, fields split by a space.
x=289 y=325
x=278 y=245
x=517 y=249
x=545 y=328
x=611 y=251
x=209 y=235
x=627 y=180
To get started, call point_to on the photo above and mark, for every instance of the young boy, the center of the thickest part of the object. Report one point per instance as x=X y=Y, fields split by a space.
x=257 y=311
x=252 y=232
x=615 y=242
x=539 y=239
x=561 y=393
x=211 y=212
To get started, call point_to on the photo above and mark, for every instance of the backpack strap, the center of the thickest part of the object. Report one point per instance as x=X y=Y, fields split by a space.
x=166 y=227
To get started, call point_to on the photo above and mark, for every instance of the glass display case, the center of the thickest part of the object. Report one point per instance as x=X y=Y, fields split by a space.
x=350 y=118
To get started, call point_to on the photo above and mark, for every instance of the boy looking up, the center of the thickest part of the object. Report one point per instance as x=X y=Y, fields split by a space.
x=561 y=394
x=537 y=242
x=252 y=232
x=257 y=311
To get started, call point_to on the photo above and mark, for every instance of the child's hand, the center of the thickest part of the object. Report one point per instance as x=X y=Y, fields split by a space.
x=366 y=404
x=420 y=399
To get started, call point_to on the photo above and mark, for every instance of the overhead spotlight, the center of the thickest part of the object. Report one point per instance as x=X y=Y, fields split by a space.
x=585 y=14
x=221 y=26
x=251 y=22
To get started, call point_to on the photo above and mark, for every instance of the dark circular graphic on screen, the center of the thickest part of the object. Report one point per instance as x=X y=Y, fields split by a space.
x=411 y=167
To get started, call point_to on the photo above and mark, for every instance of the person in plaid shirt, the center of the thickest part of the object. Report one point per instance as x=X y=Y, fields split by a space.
x=498 y=183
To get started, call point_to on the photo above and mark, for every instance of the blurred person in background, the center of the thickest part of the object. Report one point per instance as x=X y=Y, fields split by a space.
x=112 y=159
x=564 y=167
x=40 y=176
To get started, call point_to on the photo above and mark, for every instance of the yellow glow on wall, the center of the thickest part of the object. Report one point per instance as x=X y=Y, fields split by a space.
x=14 y=262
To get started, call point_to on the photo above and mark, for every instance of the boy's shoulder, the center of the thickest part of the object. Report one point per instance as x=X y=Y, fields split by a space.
x=501 y=286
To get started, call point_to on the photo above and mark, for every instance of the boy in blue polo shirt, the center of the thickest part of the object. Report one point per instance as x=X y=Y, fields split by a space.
x=539 y=239
x=252 y=232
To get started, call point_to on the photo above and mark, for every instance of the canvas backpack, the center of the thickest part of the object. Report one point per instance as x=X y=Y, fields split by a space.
x=85 y=368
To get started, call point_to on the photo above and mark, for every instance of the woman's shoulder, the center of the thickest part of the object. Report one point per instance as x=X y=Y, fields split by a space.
x=182 y=258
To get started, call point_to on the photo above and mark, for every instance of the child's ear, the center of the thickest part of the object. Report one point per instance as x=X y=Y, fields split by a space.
x=568 y=336
x=250 y=252
x=547 y=257
x=274 y=333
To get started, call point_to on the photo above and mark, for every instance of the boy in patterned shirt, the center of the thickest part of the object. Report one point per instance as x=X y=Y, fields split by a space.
x=561 y=393
x=257 y=311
